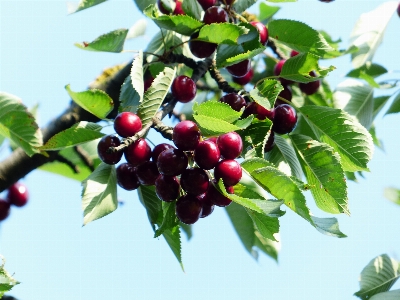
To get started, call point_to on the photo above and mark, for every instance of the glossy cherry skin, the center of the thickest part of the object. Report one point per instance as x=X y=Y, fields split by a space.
x=229 y=170
x=172 y=162
x=270 y=142
x=183 y=89
x=245 y=79
x=186 y=135
x=194 y=181
x=208 y=206
x=4 y=209
x=138 y=152
x=147 y=82
x=240 y=69
x=215 y=14
x=201 y=49
x=278 y=70
x=262 y=30
x=263 y=113
x=127 y=124
x=207 y=3
x=293 y=53
x=158 y=149
x=162 y=8
x=214 y=196
x=234 y=100
x=286 y=93
x=126 y=177
x=167 y=188
x=147 y=173
x=311 y=87
x=18 y=194
x=188 y=209
x=207 y=154
x=285 y=119
x=104 y=144
x=230 y=145
x=178 y=8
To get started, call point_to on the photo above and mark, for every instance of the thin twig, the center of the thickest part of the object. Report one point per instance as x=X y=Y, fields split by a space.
x=69 y=163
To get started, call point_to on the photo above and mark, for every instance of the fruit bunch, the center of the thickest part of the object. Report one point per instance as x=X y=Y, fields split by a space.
x=17 y=195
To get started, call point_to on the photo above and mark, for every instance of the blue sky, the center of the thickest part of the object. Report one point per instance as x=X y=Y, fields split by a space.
x=116 y=257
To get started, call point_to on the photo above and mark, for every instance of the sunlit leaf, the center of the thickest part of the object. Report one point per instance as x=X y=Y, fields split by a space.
x=137 y=29
x=173 y=238
x=109 y=42
x=266 y=92
x=391 y=295
x=83 y=4
x=222 y=33
x=7 y=282
x=395 y=106
x=267 y=11
x=328 y=226
x=392 y=194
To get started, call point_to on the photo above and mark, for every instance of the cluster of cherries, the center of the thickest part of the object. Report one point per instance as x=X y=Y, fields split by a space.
x=191 y=159
x=17 y=195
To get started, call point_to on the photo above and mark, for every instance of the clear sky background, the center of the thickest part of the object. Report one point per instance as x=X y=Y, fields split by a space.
x=116 y=257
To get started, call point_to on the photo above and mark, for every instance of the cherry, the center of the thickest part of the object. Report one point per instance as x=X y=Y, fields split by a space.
x=127 y=124
x=262 y=30
x=239 y=69
x=147 y=173
x=208 y=206
x=162 y=8
x=148 y=80
x=158 y=149
x=104 y=144
x=286 y=93
x=234 y=100
x=183 y=89
x=245 y=79
x=229 y=170
x=310 y=87
x=138 y=152
x=18 y=194
x=172 y=162
x=188 y=209
x=285 y=119
x=167 y=188
x=263 y=113
x=278 y=70
x=230 y=145
x=326 y=1
x=293 y=53
x=126 y=177
x=215 y=14
x=398 y=10
x=186 y=135
x=4 y=209
x=207 y=154
x=251 y=109
x=207 y=3
x=213 y=139
x=178 y=8
x=194 y=181
x=201 y=49
x=270 y=142
x=214 y=196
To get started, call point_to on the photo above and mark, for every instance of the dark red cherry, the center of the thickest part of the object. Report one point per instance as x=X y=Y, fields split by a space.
x=127 y=124
x=293 y=53
x=126 y=177
x=167 y=188
x=102 y=149
x=234 y=100
x=158 y=149
x=239 y=69
x=147 y=82
x=270 y=142
x=138 y=152
x=285 y=119
x=18 y=194
x=183 y=89
x=208 y=206
x=207 y=3
x=229 y=170
x=286 y=93
x=214 y=196
x=162 y=8
x=262 y=30
x=194 y=181
x=186 y=135
x=398 y=10
x=310 y=87
x=188 y=209
x=201 y=49
x=245 y=79
x=178 y=8
x=230 y=145
x=4 y=209
x=172 y=162
x=207 y=154
x=147 y=173
x=278 y=70
x=215 y=14
x=263 y=113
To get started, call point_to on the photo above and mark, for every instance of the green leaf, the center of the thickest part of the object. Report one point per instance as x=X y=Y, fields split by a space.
x=395 y=106
x=266 y=92
x=155 y=95
x=217 y=110
x=368 y=32
x=379 y=103
x=253 y=138
x=83 y=4
x=370 y=69
x=148 y=198
x=267 y=11
x=328 y=226
x=343 y=132
x=298 y=68
x=79 y=133
x=137 y=29
x=94 y=101
x=192 y=8
x=142 y=4
x=378 y=276
x=129 y=98
x=183 y=24
x=298 y=36
x=377 y=141
x=269 y=247
x=267 y=226
x=222 y=33
x=17 y=124
x=7 y=282
x=137 y=75
x=169 y=218
x=164 y=39
x=324 y=174
x=283 y=152
x=241 y=5
x=187 y=229
x=357 y=99
x=214 y=127
x=173 y=238
x=109 y=42
x=99 y=194
x=392 y=295
x=392 y=194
